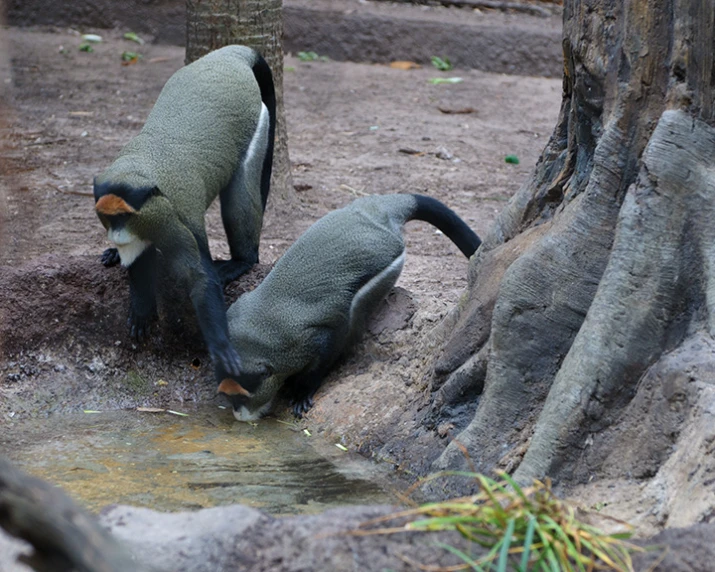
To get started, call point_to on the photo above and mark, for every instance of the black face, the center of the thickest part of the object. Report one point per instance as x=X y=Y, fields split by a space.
x=134 y=197
x=115 y=221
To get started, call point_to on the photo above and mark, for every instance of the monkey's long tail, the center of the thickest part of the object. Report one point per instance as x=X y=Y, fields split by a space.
x=445 y=219
x=264 y=77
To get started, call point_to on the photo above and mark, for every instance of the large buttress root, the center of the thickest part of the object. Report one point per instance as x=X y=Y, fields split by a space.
x=619 y=268
x=663 y=248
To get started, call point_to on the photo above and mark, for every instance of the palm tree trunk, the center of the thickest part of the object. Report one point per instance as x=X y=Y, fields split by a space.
x=212 y=24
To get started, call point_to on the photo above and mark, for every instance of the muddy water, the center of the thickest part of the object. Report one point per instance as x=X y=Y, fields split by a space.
x=169 y=462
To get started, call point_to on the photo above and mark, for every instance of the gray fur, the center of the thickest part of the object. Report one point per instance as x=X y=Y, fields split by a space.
x=314 y=303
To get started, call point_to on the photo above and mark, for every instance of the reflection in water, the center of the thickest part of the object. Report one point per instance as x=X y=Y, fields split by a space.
x=166 y=462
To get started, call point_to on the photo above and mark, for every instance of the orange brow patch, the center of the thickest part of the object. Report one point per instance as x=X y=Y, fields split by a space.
x=232 y=387
x=113 y=205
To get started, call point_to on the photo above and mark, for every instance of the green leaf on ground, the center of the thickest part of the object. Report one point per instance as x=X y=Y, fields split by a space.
x=131 y=36
x=439 y=80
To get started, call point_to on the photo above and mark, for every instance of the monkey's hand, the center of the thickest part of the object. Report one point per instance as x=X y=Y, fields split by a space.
x=301 y=407
x=226 y=360
x=110 y=257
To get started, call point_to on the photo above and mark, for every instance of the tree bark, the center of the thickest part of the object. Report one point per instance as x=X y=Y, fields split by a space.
x=609 y=245
x=212 y=24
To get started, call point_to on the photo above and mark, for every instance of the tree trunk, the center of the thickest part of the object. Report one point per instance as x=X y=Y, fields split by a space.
x=604 y=259
x=212 y=24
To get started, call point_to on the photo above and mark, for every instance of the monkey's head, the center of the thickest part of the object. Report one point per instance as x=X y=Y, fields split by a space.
x=116 y=203
x=251 y=394
x=118 y=207
x=113 y=199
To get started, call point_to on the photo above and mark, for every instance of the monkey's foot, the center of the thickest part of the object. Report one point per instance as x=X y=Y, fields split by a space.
x=110 y=257
x=230 y=270
x=302 y=407
x=140 y=326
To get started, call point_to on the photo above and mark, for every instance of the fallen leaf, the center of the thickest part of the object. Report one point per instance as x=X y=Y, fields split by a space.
x=150 y=409
x=129 y=58
x=405 y=65
x=410 y=151
x=513 y=159
x=341 y=447
x=177 y=413
x=439 y=80
x=91 y=411
x=133 y=37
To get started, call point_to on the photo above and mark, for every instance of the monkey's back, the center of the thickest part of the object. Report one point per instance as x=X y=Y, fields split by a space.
x=197 y=132
x=315 y=282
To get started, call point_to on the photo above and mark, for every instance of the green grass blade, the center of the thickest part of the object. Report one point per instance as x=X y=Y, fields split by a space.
x=468 y=560
x=547 y=552
x=553 y=561
x=441 y=522
x=506 y=543
x=516 y=488
x=618 y=560
x=570 y=549
x=528 y=539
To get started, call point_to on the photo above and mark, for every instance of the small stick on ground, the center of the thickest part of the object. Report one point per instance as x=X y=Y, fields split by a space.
x=78 y=193
x=356 y=192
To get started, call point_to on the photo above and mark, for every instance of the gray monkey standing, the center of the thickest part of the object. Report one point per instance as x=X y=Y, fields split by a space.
x=210 y=134
x=314 y=304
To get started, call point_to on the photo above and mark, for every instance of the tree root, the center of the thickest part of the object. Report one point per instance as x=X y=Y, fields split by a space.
x=65 y=538
x=642 y=291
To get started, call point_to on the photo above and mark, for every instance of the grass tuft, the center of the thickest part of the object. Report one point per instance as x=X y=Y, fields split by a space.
x=524 y=529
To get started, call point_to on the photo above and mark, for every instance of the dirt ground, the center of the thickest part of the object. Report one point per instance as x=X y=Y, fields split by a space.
x=353 y=130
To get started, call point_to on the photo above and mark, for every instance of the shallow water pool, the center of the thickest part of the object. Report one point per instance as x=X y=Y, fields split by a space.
x=169 y=462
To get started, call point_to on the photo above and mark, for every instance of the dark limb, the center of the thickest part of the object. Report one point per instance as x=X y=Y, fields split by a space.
x=142 y=290
x=207 y=299
x=230 y=270
x=64 y=537
x=110 y=257
x=303 y=385
x=242 y=216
